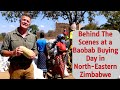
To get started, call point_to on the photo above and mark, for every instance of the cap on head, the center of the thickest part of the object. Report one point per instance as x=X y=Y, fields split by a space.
x=60 y=36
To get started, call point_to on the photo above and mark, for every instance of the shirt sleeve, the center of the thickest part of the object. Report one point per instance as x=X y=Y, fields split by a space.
x=6 y=43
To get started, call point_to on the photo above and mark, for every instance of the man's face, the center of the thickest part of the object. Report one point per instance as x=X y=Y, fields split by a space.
x=25 y=22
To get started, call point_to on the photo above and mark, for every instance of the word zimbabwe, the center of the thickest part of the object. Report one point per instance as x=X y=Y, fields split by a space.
x=94 y=74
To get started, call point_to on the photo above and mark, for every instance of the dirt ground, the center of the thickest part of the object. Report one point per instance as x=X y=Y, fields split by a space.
x=5 y=75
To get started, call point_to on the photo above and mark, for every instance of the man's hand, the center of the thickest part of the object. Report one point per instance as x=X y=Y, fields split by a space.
x=17 y=52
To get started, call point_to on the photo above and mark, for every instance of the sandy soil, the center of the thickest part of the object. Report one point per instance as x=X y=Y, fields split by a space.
x=5 y=75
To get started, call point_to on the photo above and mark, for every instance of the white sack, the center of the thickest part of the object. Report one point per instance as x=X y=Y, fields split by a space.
x=65 y=71
x=38 y=73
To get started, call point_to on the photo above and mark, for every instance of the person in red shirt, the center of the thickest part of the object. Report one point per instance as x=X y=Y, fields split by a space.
x=59 y=66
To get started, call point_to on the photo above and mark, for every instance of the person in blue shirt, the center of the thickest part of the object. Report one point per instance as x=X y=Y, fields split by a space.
x=43 y=54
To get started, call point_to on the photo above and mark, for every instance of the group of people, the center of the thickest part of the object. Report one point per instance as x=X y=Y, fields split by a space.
x=21 y=66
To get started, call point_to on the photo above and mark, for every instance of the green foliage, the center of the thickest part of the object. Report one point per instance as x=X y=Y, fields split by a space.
x=91 y=26
x=12 y=16
x=33 y=29
x=113 y=17
x=113 y=20
x=71 y=16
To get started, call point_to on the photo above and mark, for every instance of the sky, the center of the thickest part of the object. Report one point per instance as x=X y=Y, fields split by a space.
x=43 y=24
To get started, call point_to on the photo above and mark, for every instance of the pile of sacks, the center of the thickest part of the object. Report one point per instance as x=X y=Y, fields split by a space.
x=38 y=73
x=4 y=63
x=4 y=66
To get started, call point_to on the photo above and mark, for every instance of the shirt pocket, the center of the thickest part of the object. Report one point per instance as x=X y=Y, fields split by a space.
x=15 y=43
x=30 y=44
